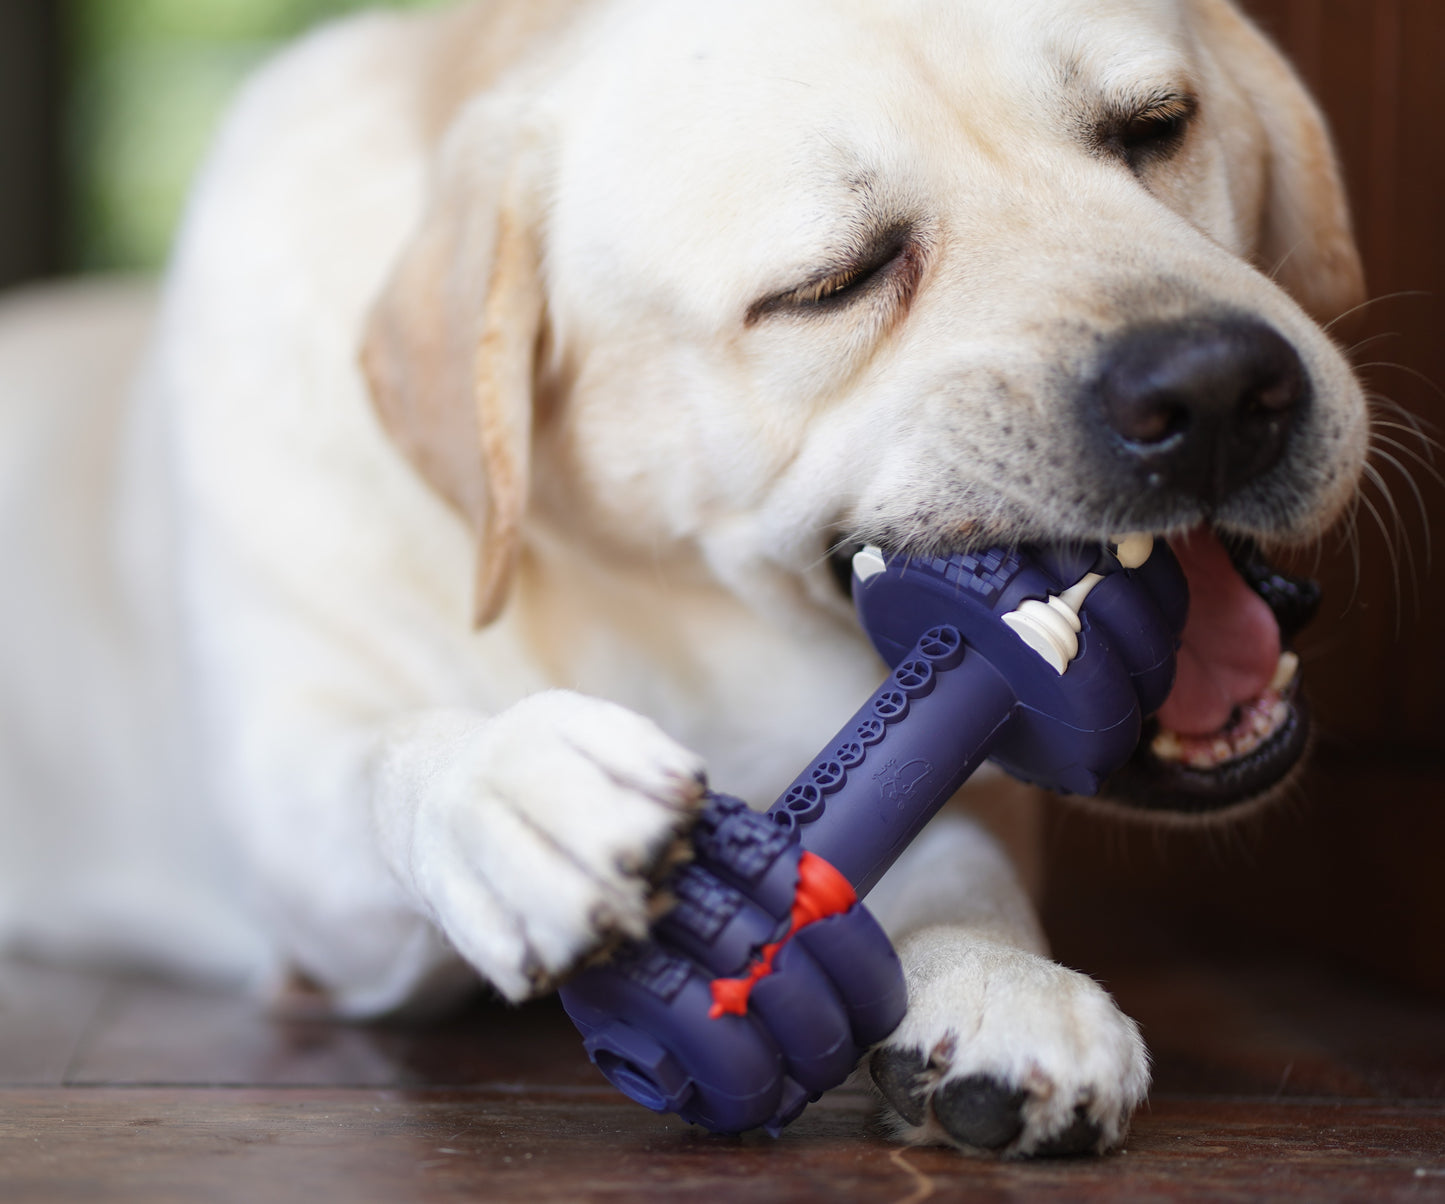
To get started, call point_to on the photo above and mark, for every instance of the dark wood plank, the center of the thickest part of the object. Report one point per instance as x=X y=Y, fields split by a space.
x=45 y=1014
x=161 y=1145
x=1215 y=1026
x=159 y=1033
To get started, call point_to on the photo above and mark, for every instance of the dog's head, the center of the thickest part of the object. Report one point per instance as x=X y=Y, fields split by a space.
x=751 y=281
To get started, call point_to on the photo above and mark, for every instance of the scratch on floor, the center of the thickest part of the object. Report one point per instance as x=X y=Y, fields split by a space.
x=923 y=1186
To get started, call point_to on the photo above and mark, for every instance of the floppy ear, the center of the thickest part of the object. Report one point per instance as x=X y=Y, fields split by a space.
x=1305 y=239
x=451 y=344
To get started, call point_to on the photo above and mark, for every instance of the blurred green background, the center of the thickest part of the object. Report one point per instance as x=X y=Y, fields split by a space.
x=148 y=81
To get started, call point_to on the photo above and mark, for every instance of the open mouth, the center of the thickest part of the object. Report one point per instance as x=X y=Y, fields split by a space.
x=1235 y=723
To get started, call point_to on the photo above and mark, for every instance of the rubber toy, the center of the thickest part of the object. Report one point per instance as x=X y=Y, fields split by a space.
x=768 y=979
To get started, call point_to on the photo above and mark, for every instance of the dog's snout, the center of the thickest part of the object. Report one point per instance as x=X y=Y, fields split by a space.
x=1202 y=407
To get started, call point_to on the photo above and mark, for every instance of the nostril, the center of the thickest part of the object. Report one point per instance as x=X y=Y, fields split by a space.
x=1279 y=396
x=1279 y=382
x=1146 y=417
x=1201 y=405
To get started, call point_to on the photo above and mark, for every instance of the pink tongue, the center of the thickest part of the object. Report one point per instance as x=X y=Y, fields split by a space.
x=1231 y=640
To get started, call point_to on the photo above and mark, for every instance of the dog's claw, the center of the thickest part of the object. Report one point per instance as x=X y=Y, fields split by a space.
x=899 y=1075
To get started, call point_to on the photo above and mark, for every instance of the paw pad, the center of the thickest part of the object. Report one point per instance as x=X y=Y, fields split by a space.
x=977 y=1112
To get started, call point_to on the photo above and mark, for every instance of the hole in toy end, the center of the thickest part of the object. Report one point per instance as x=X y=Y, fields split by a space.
x=639 y=1067
x=633 y=1081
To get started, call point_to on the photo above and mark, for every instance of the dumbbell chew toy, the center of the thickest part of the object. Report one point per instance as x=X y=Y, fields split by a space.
x=768 y=980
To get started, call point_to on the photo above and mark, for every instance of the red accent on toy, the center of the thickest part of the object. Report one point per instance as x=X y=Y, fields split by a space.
x=821 y=892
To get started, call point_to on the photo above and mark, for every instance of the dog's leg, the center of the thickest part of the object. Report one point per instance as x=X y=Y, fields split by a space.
x=386 y=858
x=1002 y=1049
x=534 y=839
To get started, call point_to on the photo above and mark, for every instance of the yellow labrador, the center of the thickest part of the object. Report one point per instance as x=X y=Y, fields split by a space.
x=519 y=367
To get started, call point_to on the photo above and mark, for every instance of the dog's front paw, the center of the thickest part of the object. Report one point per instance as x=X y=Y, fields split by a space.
x=543 y=842
x=1006 y=1052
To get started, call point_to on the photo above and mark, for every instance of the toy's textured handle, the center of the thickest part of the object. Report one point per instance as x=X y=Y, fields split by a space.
x=904 y=754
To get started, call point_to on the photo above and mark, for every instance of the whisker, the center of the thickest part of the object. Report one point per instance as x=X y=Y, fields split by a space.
x=1363 y=305
x=1426 y=465
x=1405 y=413
x=1389 y=547
x=1401 y=535
x=1350 y=539
x=1379 y=337
x=1318 y=543
x=1429 y=444
x=1419 y=501
x=1278 y=266
x=1414 y=373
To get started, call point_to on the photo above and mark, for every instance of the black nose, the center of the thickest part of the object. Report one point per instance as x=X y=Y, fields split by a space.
x=1204 y=406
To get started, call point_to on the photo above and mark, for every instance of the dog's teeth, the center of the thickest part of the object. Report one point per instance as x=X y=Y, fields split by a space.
x=1284 y=672
x=1258 y=721
x=1132 y=550
x=1167 y=747
x=868 y=562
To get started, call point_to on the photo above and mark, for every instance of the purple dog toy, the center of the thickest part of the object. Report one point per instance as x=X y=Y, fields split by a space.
x=768 y=980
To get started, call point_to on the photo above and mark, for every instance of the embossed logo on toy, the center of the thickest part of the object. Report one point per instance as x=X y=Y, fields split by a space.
x=897 y=784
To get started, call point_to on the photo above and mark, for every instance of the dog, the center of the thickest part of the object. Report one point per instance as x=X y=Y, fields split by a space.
x=519 y=368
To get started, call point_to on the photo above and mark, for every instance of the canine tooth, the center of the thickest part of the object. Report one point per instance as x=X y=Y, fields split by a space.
x=1132 y=550
x=868 y=562
x=1284 y=672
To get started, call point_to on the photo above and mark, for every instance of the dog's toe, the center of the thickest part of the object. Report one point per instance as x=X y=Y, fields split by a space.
x=1082 y=1135
x=900 y=1075
x=980 y=1112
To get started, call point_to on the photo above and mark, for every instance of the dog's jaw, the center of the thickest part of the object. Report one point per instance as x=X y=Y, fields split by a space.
x=1237 y=698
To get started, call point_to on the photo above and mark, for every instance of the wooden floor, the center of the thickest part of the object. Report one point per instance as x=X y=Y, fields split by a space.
x=1272 y=1082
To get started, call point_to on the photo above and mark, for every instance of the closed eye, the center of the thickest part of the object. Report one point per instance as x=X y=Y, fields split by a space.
x=888 y=265
x=1149 y=132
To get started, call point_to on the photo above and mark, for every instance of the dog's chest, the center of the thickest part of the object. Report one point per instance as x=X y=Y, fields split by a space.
x=755 y=698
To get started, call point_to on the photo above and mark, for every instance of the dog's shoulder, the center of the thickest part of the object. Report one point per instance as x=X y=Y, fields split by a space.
x=415 y=67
